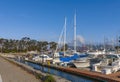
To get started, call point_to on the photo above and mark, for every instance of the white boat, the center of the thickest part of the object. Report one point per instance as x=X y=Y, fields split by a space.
x=56 y=55
x=42 y=58
x=109 y=64
x=56 y=61
x=81 y=63
x=96 y=52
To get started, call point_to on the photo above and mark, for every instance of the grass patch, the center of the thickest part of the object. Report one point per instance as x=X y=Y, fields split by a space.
x=38 y=76
x=49 y=78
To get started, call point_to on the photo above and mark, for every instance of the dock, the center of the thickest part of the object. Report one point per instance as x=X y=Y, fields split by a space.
x=99 y=77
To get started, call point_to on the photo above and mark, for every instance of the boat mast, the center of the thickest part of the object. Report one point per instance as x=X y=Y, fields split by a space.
x=64 y=35
x=75 y=33
x=59 y=41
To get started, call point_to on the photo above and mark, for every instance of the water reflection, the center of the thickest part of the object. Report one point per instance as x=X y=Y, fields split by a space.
x=68 y=76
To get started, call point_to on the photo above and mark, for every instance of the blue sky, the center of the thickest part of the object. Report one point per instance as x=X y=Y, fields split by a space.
x=44 y=19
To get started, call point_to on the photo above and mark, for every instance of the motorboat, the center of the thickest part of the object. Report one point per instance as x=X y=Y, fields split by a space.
x=109 y=64
x=42 y=58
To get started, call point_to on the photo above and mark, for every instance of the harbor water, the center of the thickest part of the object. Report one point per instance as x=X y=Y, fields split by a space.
x=68 y=76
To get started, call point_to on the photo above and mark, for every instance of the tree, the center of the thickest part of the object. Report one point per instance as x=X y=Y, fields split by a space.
x=26 y=41
x=25 y=44
x=2 y=44
x=66 y=47
x=53 y=45
x=44 y=45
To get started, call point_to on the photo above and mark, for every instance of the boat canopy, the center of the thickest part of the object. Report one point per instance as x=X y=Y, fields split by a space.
x=73 y=57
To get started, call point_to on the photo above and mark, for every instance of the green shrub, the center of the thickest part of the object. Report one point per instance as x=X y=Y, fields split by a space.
x=49 y=78
x=38 y=76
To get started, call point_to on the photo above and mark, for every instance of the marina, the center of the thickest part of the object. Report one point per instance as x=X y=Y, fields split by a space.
x=80 y=74
x=59 y=41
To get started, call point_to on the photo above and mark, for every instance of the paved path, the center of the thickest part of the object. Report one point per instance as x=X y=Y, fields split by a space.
x=0 y=79
x=11 y=73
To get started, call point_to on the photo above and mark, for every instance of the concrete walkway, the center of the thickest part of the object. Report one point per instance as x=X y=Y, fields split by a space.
x=11 y=73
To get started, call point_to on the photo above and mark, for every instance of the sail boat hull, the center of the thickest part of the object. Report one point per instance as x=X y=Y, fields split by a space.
x=79 y=64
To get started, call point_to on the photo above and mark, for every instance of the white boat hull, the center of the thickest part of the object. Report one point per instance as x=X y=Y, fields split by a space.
x=81 y=64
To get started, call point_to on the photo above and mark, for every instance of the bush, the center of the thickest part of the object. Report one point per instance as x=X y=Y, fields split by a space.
x=49 y=78
x=38 y=76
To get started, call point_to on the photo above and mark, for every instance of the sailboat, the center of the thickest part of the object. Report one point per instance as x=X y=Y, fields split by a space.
x=75 y=58
x=62 y=56
x=57 y=55
x=82 y=60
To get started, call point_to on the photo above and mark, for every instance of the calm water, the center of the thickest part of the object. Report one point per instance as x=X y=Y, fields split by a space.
x=72 y=78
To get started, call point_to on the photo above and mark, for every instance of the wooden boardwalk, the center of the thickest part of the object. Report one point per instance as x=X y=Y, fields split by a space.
x=11 y=73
